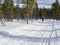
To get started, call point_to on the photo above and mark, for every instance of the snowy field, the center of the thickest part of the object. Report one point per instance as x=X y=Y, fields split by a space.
x=34 y=33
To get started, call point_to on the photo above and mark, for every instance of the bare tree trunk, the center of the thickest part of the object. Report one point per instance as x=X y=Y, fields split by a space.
x=27 y=17
x=27 y=12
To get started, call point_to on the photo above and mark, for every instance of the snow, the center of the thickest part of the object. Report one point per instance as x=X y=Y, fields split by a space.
x=34 y=33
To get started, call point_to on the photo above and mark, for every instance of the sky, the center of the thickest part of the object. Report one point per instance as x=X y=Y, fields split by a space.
x=45 y=3
x=42 y=3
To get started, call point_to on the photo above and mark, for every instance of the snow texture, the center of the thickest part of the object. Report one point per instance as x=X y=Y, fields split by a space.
x=34 y=33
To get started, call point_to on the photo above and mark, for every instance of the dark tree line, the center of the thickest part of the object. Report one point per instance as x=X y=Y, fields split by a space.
x=9 y=11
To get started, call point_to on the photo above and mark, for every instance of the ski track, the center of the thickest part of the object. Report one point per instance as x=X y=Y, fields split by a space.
x=28 y=32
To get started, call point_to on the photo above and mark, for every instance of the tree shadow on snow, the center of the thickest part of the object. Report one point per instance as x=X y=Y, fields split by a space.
x=25 y=38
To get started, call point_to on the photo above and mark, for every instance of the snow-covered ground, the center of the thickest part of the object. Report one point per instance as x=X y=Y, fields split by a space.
x=34 y=33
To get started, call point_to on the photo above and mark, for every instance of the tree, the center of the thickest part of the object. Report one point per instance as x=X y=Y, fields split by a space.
x=1 y=14
x=44 y=13
x=17 y=12
x=36 y=11
x=55 y=9
x=8 y=9
x=29 y=6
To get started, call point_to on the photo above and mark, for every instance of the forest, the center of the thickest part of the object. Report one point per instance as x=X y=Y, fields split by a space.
x=29 y=11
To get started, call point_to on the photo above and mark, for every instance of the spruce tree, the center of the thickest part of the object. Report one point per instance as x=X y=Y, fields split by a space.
x=8 y=9
x=36 y=11
x=55 y=9
x=0 y=10
x=17 y=12
x=11 y=9
x=29 y=6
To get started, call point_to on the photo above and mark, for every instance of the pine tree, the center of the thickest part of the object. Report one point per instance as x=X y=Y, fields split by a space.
x=11 y=9
x=17 y=12
x=55 y=9
x=8 y=9
x=0 y=10
x=29 y=7
x=36 y=11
